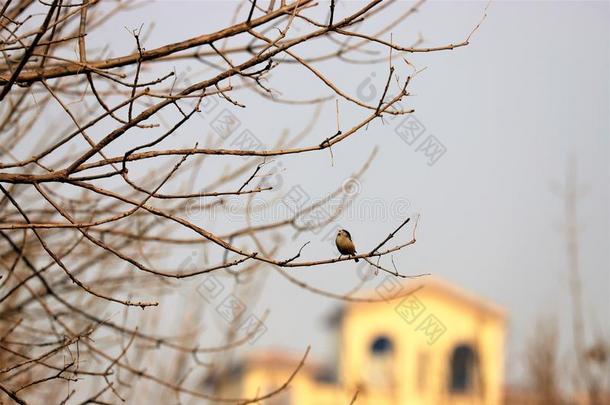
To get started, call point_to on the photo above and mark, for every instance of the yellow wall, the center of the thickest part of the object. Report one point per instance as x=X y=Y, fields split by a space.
x=420 y=365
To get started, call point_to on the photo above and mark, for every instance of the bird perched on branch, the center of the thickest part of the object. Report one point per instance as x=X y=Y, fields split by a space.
x=344 y=243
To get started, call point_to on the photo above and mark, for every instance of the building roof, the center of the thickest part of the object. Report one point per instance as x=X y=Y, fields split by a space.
x=452 y=290
x=270 y=359
x=429 y=284
x=274 y=358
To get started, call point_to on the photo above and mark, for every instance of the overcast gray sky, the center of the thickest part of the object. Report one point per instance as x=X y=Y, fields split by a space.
x=529 y=92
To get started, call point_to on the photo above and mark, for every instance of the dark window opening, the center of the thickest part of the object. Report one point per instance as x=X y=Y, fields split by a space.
x=463 y=365
x=380 y=373
x=382 y=345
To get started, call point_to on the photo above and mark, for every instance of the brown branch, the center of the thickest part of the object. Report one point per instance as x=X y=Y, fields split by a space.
x=73 y=68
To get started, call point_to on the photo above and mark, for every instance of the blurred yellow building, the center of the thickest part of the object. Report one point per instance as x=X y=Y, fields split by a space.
x=437 y=345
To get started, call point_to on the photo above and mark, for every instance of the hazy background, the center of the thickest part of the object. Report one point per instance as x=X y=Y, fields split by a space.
x=529 y=93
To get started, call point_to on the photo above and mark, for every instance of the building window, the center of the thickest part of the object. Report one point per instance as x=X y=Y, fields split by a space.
x=382 y=346
x=463 y=368
x=381 y=363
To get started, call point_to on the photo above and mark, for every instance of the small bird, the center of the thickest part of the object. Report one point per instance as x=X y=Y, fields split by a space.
x=344 y=243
